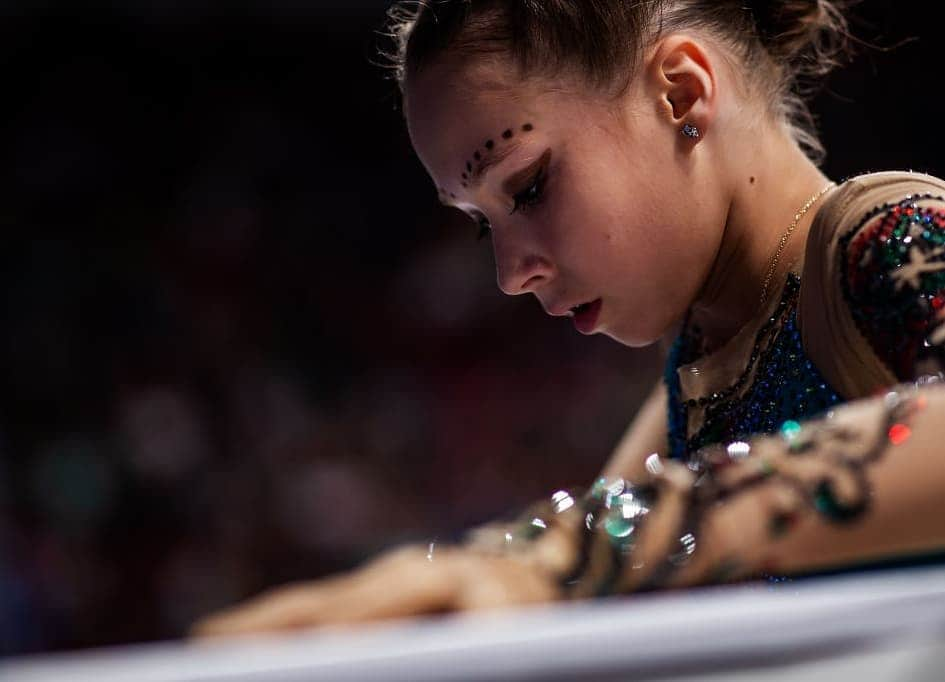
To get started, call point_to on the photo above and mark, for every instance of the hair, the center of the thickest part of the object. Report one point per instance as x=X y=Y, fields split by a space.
x=785 y=48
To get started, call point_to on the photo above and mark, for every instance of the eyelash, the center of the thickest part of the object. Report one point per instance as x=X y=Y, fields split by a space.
x=484 y=228
x=525 y=199
x=531 y=196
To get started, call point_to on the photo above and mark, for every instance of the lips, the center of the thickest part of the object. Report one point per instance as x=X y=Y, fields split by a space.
x=586 y=315
x=563 y=311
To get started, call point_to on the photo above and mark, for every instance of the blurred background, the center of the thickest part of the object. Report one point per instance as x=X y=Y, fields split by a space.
x=241 y=341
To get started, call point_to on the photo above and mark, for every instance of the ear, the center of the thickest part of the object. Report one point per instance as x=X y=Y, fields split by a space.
x=682 y=77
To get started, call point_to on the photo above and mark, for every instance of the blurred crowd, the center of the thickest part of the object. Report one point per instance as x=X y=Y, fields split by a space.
x=242 y=344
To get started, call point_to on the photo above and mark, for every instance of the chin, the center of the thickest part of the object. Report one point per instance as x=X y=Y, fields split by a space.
x=632 y=340
x=642 y=332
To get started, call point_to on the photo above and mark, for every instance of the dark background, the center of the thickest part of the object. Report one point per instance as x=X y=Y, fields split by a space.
x=241 y=342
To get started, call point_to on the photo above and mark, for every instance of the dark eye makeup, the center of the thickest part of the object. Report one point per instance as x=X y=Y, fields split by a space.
x=533 y=193
x=531 y=196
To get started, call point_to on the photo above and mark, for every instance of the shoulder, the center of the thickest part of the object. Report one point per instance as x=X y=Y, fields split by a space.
x=862 y=202
x=879 y=249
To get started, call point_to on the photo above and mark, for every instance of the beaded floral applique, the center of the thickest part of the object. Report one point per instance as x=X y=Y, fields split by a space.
x=779 y=383
x=892 y=267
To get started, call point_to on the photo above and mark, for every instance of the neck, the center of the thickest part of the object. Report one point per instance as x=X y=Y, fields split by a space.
x=767 y=193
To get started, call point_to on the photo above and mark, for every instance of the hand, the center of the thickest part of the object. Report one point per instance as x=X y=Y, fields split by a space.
x=404 y=582
x=660 y=558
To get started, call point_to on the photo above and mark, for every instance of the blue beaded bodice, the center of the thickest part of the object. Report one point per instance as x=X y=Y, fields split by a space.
x=779 y=383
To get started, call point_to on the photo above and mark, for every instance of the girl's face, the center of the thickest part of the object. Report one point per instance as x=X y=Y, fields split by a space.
x=587 y=200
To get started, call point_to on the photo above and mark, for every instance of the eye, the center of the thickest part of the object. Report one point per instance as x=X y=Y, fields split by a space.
x=484 y=227
x=532 y=195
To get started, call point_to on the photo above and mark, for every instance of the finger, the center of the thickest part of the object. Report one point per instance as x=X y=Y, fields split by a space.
x=422 y=587
x=660 y=536
x=407 y=584
x=496 y=582
x=278 y=609
x=490 y=537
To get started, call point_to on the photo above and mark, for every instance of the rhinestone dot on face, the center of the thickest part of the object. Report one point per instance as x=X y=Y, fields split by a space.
x=489 y=145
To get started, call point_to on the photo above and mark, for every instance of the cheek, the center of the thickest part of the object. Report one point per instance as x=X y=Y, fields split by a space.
x=613 y=221
x=633 y=232
x=593 y=227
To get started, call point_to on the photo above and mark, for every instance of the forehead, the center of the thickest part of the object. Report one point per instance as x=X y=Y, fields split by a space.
x=454 y=113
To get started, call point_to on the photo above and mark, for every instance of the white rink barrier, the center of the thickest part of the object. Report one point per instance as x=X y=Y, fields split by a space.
x=873 y=626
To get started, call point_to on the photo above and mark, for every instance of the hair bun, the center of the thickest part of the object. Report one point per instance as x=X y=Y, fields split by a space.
x=810 y=31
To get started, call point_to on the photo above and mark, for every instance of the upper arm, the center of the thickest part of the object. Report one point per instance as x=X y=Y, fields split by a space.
x=892 y=273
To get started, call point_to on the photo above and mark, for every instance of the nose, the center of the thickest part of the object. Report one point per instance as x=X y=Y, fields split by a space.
x=519 y=269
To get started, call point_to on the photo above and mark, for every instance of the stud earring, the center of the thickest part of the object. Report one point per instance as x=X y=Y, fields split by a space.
x=690 y=130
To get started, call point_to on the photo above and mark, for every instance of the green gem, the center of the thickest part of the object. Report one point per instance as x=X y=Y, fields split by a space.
x=790 y=429
x=618 y=527
x=599 y=489
x=827 y=504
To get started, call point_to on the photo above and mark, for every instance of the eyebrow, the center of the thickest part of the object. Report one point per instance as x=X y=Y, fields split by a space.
x=517 y=178
x=521 y=176
x=494 y=159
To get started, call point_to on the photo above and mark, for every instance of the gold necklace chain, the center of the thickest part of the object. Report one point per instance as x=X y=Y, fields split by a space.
x=786 y=236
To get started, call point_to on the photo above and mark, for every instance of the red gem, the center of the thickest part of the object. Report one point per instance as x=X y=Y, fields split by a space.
x=899 y=433
x=938 y=301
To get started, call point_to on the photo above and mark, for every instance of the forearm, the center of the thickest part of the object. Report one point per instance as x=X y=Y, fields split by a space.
x=896 y=495
x=646 y=434
x=865 y=483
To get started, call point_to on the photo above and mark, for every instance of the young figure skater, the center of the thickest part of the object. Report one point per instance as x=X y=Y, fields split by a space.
x=647 y=169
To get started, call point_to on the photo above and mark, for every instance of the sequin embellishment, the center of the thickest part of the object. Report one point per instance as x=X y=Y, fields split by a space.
x=892 y=270
x=785 y=386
